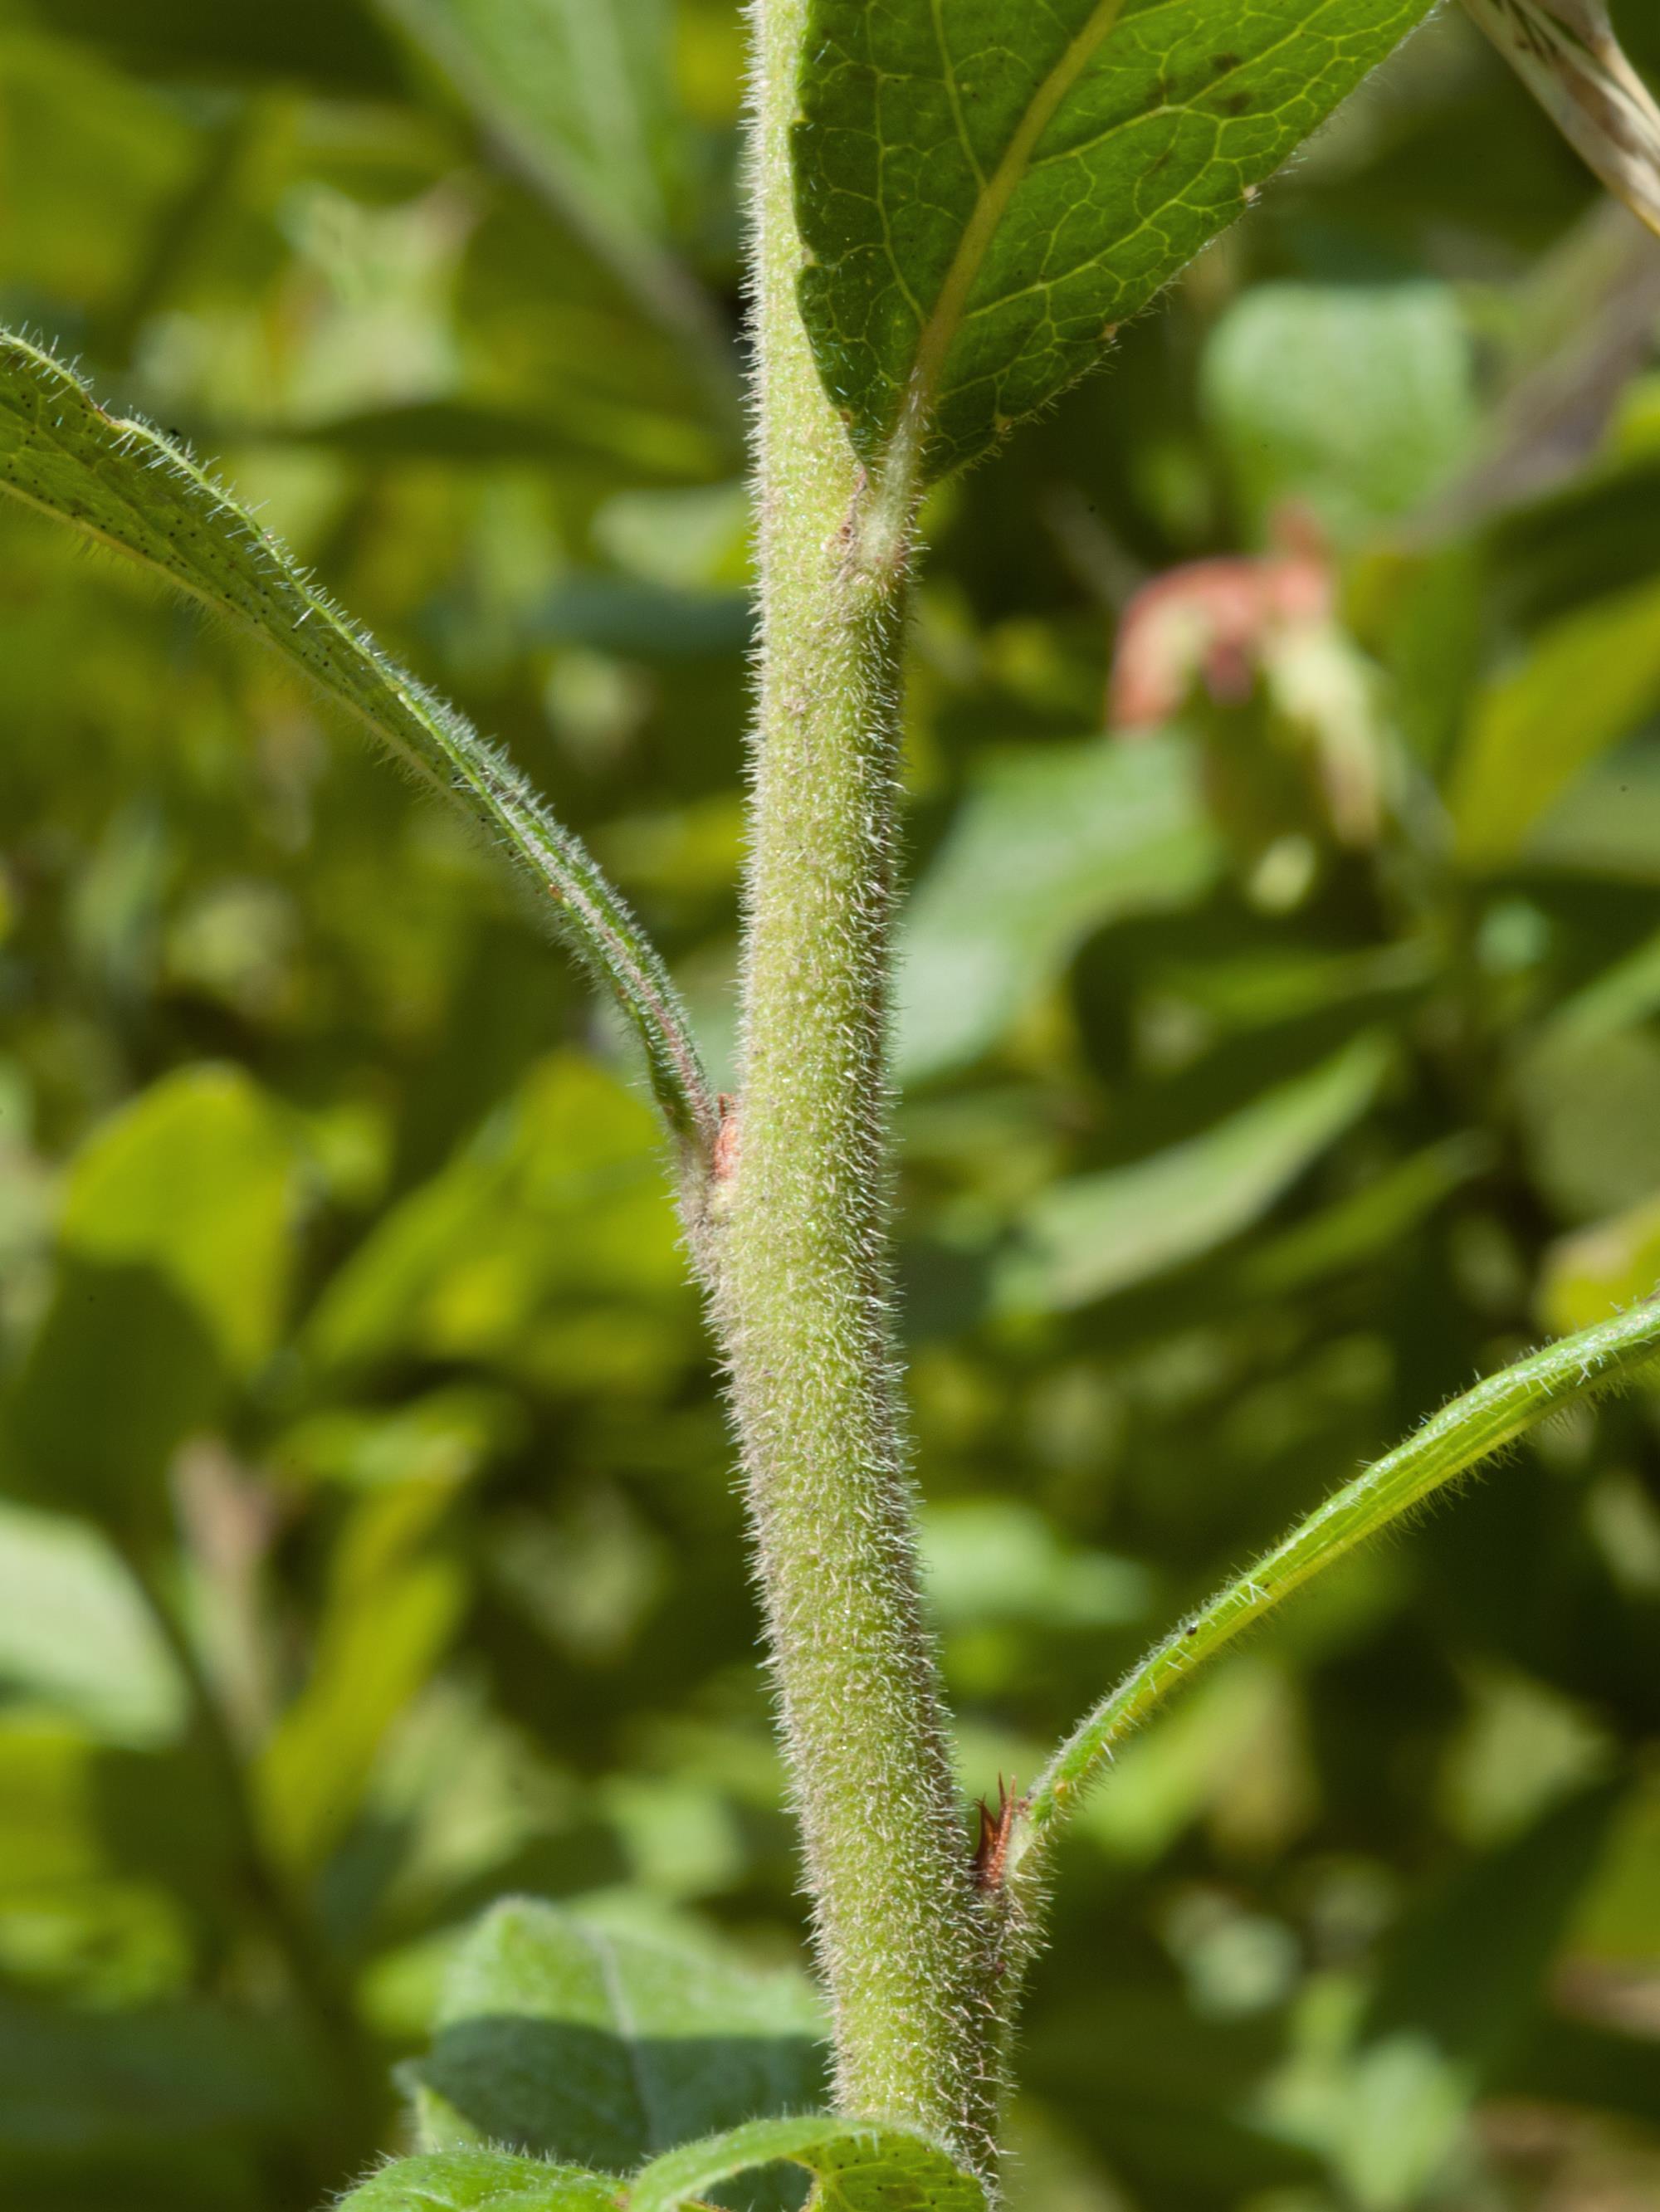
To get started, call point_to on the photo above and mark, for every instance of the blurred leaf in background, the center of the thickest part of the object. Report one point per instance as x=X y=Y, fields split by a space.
x=369 y=1551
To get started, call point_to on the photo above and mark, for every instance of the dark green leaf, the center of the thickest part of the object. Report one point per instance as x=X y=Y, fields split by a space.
x=1102 y=1233
x=1050 y=845
x=986 y=192
x=335 y=44
x=1467 y=1971
x=175 y=1241
x=648 y=447
x=559 y=2035
x=858 y=2168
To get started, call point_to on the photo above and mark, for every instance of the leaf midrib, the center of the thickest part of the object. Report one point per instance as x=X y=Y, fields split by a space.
x=991 y=204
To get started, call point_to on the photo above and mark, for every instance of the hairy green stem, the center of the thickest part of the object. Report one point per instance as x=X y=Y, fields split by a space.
x=1457 y=1439
x=797 y=1242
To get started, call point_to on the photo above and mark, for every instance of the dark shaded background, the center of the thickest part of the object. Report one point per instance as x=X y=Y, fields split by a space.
x=369 y=1545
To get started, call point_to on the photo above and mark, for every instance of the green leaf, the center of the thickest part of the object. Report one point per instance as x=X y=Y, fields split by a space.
x=129 y=487
x=560 y=2035
x=1607 y=822
x=1470 y=1430
x=1050 y=844
x=986 y=190
x=1619 y=1915
x=131 y=2086
x=93 y=1850
x=1466 y=1971
x=1588 y=1111
x=197 y=1180
x=331 y=43
x=377 y=1646
x=75 y=1636
x=581 y=100
x=482 y=2181
x=1355 y=398
x=644 y=445
x=999 y=1560
x=1102 y=1233
x=857 y=2167
x=561 y=1195
x=1609 y=1264
x=175 y=1241
x=1377 y=1218
x=1566 y=2063
x=1586 y=684
x=1623 y=995
x=120 y=1372
x=1461 y=1987
x=579 y=95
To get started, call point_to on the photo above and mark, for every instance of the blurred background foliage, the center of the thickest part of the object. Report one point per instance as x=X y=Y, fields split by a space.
x=1272 y=1066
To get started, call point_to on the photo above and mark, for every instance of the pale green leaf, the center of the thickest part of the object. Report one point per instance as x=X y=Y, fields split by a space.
x=1588 y=1113
x=1607 y=822
x=858 y=2167
x=986 y=189
x=1600 y=1268
x=198 y=1179
x=393 y=1605
x=579 y=96
x=997 y=1559
x=1357 y=399
x=129 y=487
x=1102 y=1233
x=1166 y=1779
x=561 y=2035
x=1585 y=684
x=482 y=2181
x=560 y=1194
x=76 y=1635
x=1050 y=844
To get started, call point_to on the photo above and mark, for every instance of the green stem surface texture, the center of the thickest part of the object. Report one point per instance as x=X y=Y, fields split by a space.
x=797 y=1242
x=1457 y=1439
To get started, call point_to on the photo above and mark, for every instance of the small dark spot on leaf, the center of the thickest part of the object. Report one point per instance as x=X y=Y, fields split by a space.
x=1223 y=62
x=1237 y=103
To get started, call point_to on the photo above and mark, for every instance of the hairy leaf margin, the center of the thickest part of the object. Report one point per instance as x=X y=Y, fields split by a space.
x=127 y=485
x=1469 y=1430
